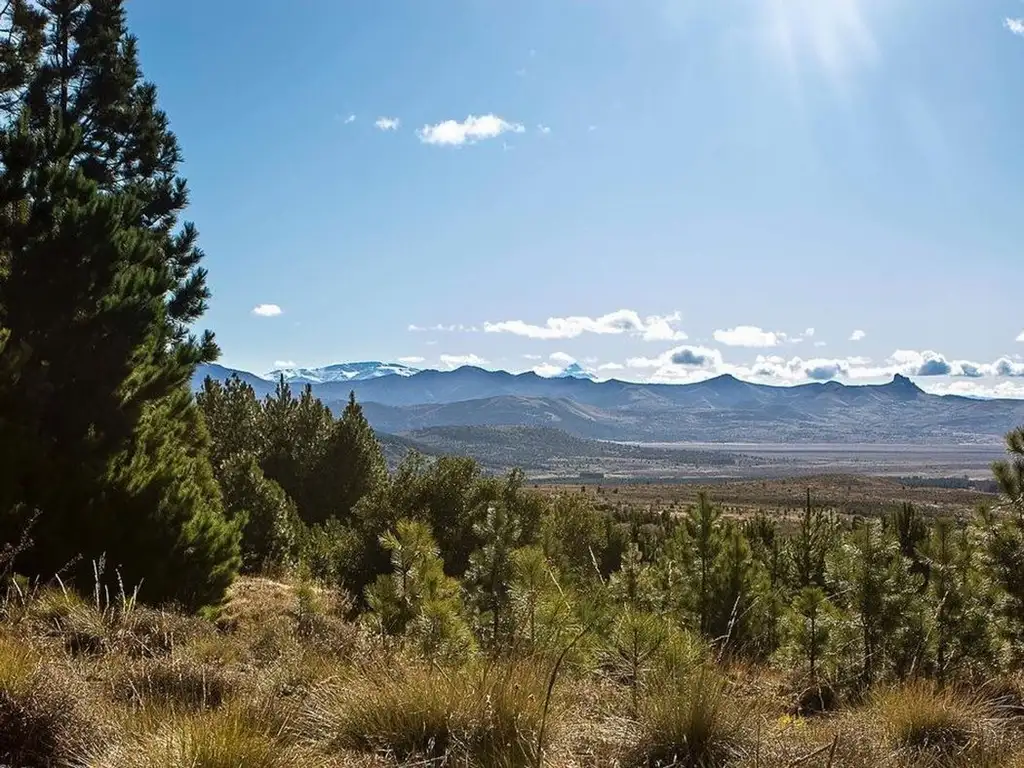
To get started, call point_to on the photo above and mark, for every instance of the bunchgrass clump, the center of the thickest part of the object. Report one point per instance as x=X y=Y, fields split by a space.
x=175 y=683
x=482 y=714
x=226 y=738
x=690 y=722
x=921 y=718
x=42 y=719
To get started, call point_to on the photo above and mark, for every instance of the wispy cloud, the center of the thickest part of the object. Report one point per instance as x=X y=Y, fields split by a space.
x=279 y=364
x=411 y=360
x=857 y=336
x=453 y=133
x=388 y=123
x=544 y=129
x=1021 y=337
x=441 y=328
x=1016 y=26
x=834 y=35
x=350 y=119
x=457 y=361
x=267 y=310
x=561 y=357
x=623 y=321
x=749 y=336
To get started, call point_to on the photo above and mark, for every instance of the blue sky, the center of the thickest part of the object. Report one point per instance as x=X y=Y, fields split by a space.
x=660 y=189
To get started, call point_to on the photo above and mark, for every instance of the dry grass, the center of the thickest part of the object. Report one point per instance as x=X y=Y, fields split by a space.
x=275 y=686
x=228 y=738
x=847 y=494
x=692 y=723
x=44 y=720
x=920 y=718
x=482 y=715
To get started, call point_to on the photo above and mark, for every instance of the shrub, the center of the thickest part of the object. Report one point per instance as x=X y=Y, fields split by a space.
x=480 y=714
x=689 y=723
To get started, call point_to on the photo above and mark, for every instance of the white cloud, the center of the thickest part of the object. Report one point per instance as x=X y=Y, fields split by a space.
x=562 y=357
x=350 y=119
x=749 y=336
x=821 y=343
x=452 y=133
x=457 y=361
x=809 y=333
x=653 y=328
x=441 y=328
x=544 y=129
x=267 y=310
x=388 y=123
x=279 y=364
x=1021 y=337
x=857 y=336
x=411 y=360
x=682 y=358
x=612 y=367
x=1016 y=26
x=533 y=357
x=547 y=370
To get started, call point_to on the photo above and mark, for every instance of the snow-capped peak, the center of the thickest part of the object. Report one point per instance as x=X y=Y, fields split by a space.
x=342 y=372
x=575 y=371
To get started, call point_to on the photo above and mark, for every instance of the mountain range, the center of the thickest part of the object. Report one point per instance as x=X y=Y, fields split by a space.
x=398 y=400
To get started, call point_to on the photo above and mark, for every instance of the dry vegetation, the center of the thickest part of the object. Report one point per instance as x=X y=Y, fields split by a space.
x=283 y=679
x=846 y=494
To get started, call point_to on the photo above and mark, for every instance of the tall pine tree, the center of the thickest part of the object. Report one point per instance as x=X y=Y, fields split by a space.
x=99 y=288
x=351 y=466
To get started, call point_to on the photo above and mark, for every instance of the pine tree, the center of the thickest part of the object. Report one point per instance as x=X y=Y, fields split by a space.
x=351 y=466
x=490 y=573
x=911 y=532
x=962 y=604
x=234 y=419
x=271 y=529
x=811 y=546
x=453 y=500
x=873 y=583
x=633 y=585
x=99 y=289
x=574 y=536
x=417 y=599
x=742 y=612
x=704 y=535
x=278 y=460
x=1009 y=473
x=811 y=606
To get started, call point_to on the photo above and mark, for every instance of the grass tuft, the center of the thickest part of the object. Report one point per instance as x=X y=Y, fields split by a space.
x=481 y=715
x=690 y=723
x=42 y=722
x=175 y=683
x=919 y=717
x=227 y=738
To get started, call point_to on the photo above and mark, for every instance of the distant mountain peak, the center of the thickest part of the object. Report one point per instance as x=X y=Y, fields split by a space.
x=899 y=381
x=360 y=371
x=575 y=371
